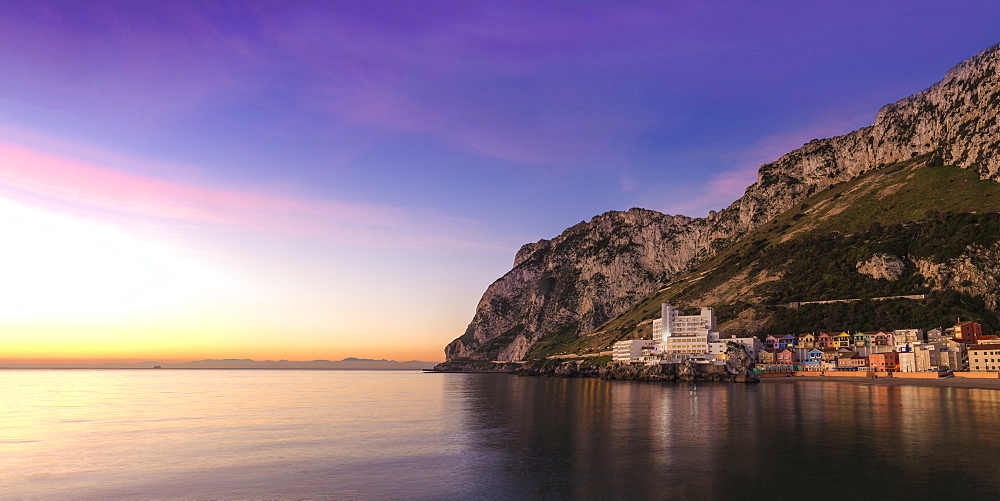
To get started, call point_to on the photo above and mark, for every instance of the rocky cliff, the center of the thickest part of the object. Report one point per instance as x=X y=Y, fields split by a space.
x=566 y=287
x=575 y=282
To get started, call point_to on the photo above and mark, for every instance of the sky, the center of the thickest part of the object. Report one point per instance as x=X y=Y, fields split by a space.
x=183 y=180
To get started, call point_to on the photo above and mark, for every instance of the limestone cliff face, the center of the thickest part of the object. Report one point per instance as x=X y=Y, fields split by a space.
x=955 y=119
x=594 y=271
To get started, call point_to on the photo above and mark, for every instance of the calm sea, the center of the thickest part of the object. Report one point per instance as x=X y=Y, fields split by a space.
x=173 y=434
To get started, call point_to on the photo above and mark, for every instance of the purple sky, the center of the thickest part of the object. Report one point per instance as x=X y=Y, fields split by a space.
x=337 y=150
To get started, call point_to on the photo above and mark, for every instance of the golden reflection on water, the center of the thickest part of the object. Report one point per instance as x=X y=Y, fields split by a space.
x=188 y=434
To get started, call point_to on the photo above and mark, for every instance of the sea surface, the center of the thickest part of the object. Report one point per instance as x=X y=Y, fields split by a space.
x=261 y=434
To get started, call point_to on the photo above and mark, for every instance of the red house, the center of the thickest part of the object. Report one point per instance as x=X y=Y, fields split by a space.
x=968 y=332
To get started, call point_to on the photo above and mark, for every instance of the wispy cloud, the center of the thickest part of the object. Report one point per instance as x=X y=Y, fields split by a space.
x=717 y=193
x=549 y=84
x=69 y=184
x=772 y=147
x=726 y=186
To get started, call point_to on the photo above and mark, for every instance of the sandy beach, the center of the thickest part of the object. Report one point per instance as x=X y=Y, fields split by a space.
x=953 y=382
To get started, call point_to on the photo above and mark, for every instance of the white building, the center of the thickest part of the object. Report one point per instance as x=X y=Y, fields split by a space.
x=864 y=351
x=630 y=350
x=904 y=340
x=690 y=334
x=950 y=355
x=718 y=346
x=984 y=358
x=918 y=359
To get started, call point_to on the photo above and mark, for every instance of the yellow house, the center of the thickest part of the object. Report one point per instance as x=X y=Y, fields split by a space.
x=842 y=340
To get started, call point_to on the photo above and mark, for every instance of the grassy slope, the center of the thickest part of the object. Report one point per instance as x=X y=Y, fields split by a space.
x=899 y=194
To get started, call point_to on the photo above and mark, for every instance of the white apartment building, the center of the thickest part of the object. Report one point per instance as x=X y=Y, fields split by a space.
x=677 y=334
x=864 y=351
x=950 y=354
x=984 y=358
x=907 y=339
x=919 y=359
x=630 y=350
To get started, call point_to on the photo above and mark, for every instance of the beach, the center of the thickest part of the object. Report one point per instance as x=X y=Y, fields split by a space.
x=953 y=382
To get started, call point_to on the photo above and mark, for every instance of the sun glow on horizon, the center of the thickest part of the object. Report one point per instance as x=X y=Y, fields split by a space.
x=62 y=268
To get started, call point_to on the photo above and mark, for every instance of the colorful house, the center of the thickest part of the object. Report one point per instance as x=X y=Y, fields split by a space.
x=814 y=360
x=882 y=338
x=884 y=362
x=770 y=343
x=789 y=341
x=823 y=341
x=767 y=356
x=785 y=357
x=863 y=339
x=807 y=340
x=830 y=355
x=842 y=340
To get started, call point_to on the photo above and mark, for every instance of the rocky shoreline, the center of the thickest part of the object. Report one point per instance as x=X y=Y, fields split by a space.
x=738 y=368
x=613 y=370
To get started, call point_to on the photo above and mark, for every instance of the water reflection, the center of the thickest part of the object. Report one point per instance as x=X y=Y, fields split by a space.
x=396 y=435
x=586 y=439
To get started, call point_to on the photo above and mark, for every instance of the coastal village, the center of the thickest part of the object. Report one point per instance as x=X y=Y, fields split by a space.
x=961 y=350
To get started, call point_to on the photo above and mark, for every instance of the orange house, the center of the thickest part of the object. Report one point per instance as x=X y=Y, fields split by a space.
x=884 y=362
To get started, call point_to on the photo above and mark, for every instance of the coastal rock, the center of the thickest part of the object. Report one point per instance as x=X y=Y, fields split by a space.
x=638 y=372
x=565 y=288
x=567 y=369
x=687 y=370
x=739 y=364
x=883 y=266
x=474 y=366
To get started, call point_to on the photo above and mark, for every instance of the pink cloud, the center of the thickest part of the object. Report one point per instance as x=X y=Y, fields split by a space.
x=772 y=147
x=70 y=184
x=723 y=188
x=717 y=193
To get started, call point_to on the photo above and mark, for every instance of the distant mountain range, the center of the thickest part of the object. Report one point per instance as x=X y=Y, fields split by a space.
x=909 y=205
x=349 y=363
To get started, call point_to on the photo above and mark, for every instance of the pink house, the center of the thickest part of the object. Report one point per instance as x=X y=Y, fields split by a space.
x=823 y=340
x=881 y=338
x=785 y=357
